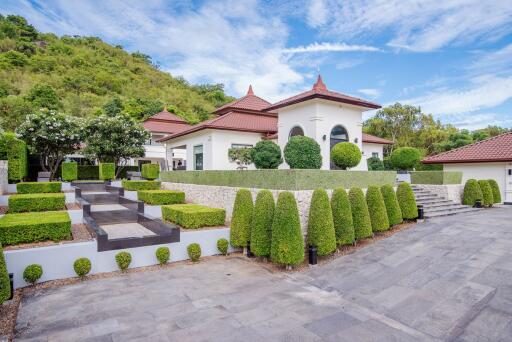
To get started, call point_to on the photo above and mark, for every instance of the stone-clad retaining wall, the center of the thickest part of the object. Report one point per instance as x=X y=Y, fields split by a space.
x=452 y=192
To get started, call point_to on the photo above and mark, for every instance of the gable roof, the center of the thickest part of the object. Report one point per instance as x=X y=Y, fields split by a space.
x=249 y=102
x=495 y=149
x=165 y=122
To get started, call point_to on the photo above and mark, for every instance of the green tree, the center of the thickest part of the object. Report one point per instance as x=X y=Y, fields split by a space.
x=266 y=154
x=43 y=96
x=240 y=156
x=345 y=155
x=360 y=214
x=321 y=232
x=13 y=110
x=392 y=205
x=472 y=192
x=240 y=231
x=377 y=209
x=407 y=201
x=261 y=224
x=342 y=217
x=405 y=158
x=375 y=164
x=113 y=107
x=302 y=153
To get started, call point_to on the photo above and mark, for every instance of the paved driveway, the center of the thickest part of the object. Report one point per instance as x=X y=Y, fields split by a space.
x=448 y=279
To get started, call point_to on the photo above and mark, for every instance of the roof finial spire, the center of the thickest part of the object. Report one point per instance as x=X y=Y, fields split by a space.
x=165 y=108
x=319 y=85
x=249 y=91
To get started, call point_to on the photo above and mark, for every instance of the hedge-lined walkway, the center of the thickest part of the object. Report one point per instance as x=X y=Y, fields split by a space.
x=448 y=279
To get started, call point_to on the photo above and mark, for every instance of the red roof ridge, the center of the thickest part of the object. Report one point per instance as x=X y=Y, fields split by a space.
x=249 y=91
x=248 y=102
x=319 y=84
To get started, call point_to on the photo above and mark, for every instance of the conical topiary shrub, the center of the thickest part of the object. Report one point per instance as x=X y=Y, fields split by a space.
x=342 y=217
x=472 y=192
x=487 y=198
x=320 y=224
x=496 y=193
x=241 y=220
x=261 y=227
x=392 y=206
x=287 y=246
x=360 y=214
x=407 y=201
x=377 y=209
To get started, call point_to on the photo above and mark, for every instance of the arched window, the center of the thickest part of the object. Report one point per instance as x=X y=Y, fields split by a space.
x=297 y=130
x=338 y=134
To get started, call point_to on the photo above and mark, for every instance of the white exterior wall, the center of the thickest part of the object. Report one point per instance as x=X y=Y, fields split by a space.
x=222 y=141
x=369 y=149
x=204 y=138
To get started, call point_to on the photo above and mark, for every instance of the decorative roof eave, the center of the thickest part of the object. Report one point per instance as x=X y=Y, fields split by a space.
x=325 y=97
x=466 y=161
x=222 y=128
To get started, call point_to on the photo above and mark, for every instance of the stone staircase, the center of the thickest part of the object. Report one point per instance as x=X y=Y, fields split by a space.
x=435 y=205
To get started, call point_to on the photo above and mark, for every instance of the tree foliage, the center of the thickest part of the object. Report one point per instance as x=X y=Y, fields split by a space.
x=345 y=155
x=375 y=164
x=266 y=154
x=405 y=158
x=241 y=156
x=303 y=153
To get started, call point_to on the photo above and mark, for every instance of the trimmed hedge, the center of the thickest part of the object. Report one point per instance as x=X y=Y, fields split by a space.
x=261 y=225
x=436 y=177
x=194 y=251
x=163 y=254
x=82 y=267
x=345 y=155
x=222 y=246
x=320 y=224
x=303 y=153
x=161 y=197
x=32 y=273
x=193 y=216
x=69 y=171
x=342 y=217
x=392 y=206
x=34 y=227
x=14 y=151
x=240 y=231
x=377 y=209
x=123 y=169
x=360 y=214
x=36 y=202
x=496 y=193
x=266 y=154
x=5 y=285
x=287 y=246
x=488 y=199
x=405 y=158
x=472 y=192
x=88 y=172
x=123 y=260
x=38 y=187
x=150 y=171
x=407 y=201
x=107 y=171
x=135 y=185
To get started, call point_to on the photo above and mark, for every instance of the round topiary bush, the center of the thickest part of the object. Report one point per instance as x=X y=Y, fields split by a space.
x=241 y=219
x=488 y=199
x=266 y=154
x=345 y=155
x=360 y=214
x=5 y=284
x=392 y=206
x=302 y=153
x=32 y=273
x=123 y=260
x=375 y=164
x=496 y=193
x=407 y=201
x=194 y=251
x=222 y=246
x=321 y=232
x=405 y=158
x=82 y=267
x=163 y=254
x=377 y=209
x=261 y=228
x=472 y=192
x=342 y=217
x=287 y=246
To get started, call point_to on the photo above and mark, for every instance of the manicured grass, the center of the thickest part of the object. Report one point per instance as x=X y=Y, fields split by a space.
x=36 y=202
x=161 y=197
x=193 y=215
x=136 y=185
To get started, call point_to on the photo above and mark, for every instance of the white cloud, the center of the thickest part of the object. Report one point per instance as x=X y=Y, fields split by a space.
x=479 y=120
x=329 y=47
x=370 y=92
x=347 y=64
x=317 y=13
x=496 y=61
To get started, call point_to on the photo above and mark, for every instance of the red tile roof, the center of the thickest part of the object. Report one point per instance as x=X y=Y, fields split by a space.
x=367 y=138
x=165 y=122
x=320 y=91
x=249 y=102
x=498 y=148
x=167 y=116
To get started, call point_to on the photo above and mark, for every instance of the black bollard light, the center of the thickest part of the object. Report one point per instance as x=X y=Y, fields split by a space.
x=313 y=255
x=421 y=212
x=478 y=203
x=11 y=281
x=249 y=253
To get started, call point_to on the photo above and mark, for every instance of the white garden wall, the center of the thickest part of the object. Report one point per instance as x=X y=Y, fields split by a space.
x=3 y=176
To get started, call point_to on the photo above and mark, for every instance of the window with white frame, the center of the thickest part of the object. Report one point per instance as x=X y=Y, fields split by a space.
x=241 y=145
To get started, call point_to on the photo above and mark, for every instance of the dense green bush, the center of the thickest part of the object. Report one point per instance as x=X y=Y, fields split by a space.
x=33 y=273
x=82 y=267
x=261 y=225
x=123 y=260
x=150 y=171
x=302 y=153
x=287 y=246
x=405 y=158
x=69 y=171
x=377 y=209
x=193 y=216
x=107 y=171
x=321 y=232
x=222 y=246
x=375 y=164
x=194 y=251
x=38 y=187
x=392 y=206
x=407 y=201
x=163 y=254
x=345 y=155
x=266 y=154
x=472 y=192
x=88 y=172
x=360 y=214
x=36 y=202
x=34 y=227
x=496 y=193
x=122 y=170
x=240 y=231
x=487 y=197
x=135 y=185
x=14 y=151
x=342 y=217
x=161 y=197
x=5 y=285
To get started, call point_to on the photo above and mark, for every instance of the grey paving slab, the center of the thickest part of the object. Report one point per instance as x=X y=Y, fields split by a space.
x=124 y=230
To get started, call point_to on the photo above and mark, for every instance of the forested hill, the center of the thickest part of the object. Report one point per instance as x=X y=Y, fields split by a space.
x=85 y=76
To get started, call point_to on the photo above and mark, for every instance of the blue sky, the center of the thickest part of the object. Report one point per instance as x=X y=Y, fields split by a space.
x=453 y=57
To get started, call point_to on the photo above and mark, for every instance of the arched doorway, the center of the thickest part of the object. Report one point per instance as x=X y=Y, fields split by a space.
x=338 y=134
x=296 y=130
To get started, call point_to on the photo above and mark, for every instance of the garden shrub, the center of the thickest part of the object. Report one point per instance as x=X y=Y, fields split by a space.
x=345 y=155
x=342 y=217
x=14 y=151
x=82 y=267
x=496 y=193
x=261 y=225
x=240 y=231
x=5 y=285
x=88 y=172
x=136 y=185
x=123 y=260
x=222 y=246
x=69 y=171
x=287 y=246
x=161 y=197
x=266 y=154
x=194 y=251
x=487 y=198
x=377 y=209
x=150 y=171
x=407 y=201
x=472 y=192
x=193 y=216
x=34 y=227
x=360 y=214
x=392 y=206
x=38 y=187
x=375 y=164
x=36 y=202
x=122 y=170
x=163 y=255
x=405 y=158
x=321 y=232
x=241 y=156
x=302 y=153
x=33 y=273
x=107 y=171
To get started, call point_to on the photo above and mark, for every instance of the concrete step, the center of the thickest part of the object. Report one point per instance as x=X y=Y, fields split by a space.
x=452 y=207
x=100 y=198
x=426 y=197
x=450 y=212
x=435 y=206
x=434 y=201
x=114 y=216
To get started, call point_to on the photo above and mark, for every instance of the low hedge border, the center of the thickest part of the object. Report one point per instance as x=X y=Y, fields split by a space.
x=36 y=202
x=193 y=216
x=436 y=177
x=137 y=185
x=38 y=187
x=161 y=197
